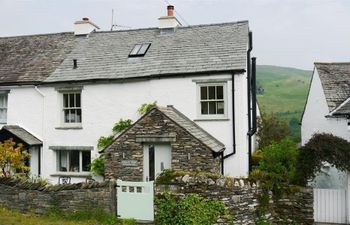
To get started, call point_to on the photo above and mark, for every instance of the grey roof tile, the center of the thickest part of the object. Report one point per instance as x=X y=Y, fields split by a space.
x=203 y=48
x=23 y=134
x=335 y=79
x=195 y=130
x=30 y=59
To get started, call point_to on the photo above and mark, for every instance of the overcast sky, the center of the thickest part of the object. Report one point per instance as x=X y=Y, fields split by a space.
x=292 y=33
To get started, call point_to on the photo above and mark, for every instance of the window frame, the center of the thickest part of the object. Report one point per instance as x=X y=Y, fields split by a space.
x=138 y=54
x=5 y=108
x=199 y=101
x=63 y=108
x=68 y=155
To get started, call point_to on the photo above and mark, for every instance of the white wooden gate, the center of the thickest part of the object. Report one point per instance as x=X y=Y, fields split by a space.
x=135 y=200
x=330 y=205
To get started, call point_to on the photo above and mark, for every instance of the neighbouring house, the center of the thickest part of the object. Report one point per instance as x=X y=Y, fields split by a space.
x=66 y=90
x=327 y=110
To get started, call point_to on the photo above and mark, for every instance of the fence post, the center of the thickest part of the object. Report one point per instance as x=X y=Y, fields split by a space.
x=112 y=190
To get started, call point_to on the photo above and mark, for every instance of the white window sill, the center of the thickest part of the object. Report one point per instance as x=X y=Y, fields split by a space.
x=212 y=119
x=71 y=174
x=77 y=127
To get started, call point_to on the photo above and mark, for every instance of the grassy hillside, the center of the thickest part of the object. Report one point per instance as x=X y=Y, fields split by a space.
x=283 y=91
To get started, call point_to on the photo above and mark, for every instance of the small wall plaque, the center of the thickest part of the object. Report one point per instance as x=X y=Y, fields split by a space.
x=130 y=163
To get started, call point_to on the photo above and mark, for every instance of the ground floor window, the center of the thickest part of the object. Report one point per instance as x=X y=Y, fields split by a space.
x=73 y=161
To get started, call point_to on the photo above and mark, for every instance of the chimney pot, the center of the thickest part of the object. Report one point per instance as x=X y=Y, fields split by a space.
x=170 y=10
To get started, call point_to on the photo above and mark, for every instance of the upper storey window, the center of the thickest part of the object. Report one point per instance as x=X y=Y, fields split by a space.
x=72 y=107
x=139 y=50
x=212 y=100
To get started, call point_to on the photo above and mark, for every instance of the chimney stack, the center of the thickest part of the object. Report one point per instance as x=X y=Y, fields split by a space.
x=84 y=27
x=169 y=22
x=170 y=10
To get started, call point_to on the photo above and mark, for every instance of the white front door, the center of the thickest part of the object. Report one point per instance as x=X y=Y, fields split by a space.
x=156 y=158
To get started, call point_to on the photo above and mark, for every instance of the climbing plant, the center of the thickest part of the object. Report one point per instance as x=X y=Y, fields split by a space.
x=121 y=125
x=321 y=148
x=146 y=107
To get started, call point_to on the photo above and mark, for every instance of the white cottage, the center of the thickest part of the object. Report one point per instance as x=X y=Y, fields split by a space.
x=66 y=90
x=327 y=110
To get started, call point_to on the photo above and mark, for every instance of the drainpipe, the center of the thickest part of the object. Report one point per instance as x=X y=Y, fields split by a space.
x=252 y=110
x=233 y=120
x=42 y=129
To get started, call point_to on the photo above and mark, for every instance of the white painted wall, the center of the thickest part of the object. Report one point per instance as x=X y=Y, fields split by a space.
x=105 y=104
x=314 y=120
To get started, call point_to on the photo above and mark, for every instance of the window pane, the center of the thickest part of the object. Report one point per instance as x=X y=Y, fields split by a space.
x=62 y=158
x=220 y=107
x=65 y=101
x=71 y=100
x=66 y=116
x=135 y=49
x=74 y=161
x=211 y=92
x=204 y=108
x=71 y=117
x=2 y=101
x=78 y=116
x=77 y=100
x=219 y=92
x=86 y=160
x=204 y=93
x=143 y=49
x=212 y=107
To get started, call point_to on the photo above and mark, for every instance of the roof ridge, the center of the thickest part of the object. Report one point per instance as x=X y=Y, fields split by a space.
x=332 y=63
x=36 y=35
x=181 y=27
x=194 y=123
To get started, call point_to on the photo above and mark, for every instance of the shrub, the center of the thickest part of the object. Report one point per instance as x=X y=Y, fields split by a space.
x=12 y=158
x=277 y=165
x=191 y=210
x=321 y=148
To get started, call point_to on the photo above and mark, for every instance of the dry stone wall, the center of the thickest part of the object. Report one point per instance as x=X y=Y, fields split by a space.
x=24 y=196
x=241 y=199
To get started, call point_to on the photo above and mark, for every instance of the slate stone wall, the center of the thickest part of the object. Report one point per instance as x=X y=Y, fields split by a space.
x=241 y=199
x=130 y=168
x=25 y=196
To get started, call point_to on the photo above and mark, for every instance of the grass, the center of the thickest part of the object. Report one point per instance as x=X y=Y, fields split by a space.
x=9 y=217
x=285 y=93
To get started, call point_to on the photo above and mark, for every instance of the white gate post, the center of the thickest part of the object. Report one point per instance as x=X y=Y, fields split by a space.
x=347 y=192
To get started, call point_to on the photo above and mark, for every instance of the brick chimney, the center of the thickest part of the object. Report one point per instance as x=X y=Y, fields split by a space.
x=84 y=27
x=169 y=22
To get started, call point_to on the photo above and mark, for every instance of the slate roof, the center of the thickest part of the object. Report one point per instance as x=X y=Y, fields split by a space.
x=23 y=134
x=192 y=128
x=193 y=49
x=31 y=59
x=335 y=79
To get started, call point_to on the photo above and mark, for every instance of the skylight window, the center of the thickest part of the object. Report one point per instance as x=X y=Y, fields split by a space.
x=139 y=50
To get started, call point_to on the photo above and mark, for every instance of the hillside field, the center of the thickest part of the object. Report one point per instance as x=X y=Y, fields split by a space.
x=283 y=91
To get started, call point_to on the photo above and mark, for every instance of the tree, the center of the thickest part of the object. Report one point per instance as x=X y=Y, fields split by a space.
x=321 y=148
x=271 y=129
x=12 y=158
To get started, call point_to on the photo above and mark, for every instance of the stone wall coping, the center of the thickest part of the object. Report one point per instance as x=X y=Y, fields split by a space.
x=26 y=185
